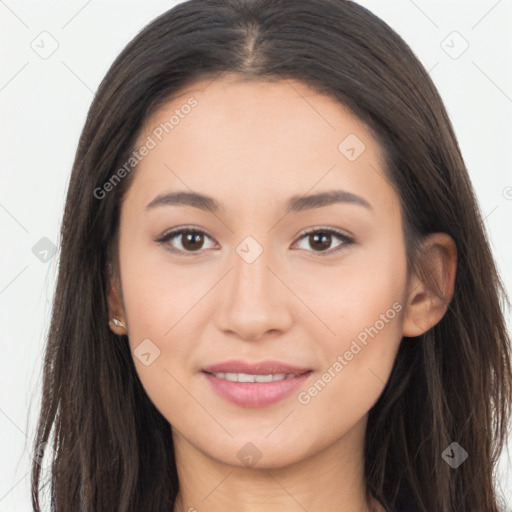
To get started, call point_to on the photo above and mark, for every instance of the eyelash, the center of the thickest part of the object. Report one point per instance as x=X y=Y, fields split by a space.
x=166 y=237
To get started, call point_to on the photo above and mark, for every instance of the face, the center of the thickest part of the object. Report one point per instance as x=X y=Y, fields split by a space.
x=269 y=278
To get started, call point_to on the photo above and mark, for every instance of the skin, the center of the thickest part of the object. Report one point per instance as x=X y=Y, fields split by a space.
x=251 y=146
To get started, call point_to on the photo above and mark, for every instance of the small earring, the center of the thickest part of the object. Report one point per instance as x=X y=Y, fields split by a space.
x=117 y=327
x=117 y=322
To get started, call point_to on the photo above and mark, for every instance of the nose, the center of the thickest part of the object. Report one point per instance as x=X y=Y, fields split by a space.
x=254 y=300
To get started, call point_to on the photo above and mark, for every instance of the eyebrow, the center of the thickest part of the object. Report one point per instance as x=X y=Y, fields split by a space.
x=295 y=203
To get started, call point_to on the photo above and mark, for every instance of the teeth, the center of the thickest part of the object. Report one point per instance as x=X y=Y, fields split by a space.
x=247 y=377
x=263 y=378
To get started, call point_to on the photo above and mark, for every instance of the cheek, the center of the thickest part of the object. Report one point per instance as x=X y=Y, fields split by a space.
x=362 y=304
x=356 y=366
x=159 y=302
x=157 y=293
x=351 y=295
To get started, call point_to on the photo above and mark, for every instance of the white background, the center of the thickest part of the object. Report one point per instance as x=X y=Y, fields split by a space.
x=43 y=106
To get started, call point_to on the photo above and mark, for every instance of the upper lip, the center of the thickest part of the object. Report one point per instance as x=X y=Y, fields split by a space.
x=257 y=368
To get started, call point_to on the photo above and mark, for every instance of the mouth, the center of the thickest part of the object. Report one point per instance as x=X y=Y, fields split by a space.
x=255 y=384
x=251 y=377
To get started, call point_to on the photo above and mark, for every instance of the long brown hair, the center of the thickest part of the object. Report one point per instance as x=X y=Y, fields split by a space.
x=113 y=448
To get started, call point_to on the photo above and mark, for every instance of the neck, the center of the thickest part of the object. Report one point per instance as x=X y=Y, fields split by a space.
x=331 y=481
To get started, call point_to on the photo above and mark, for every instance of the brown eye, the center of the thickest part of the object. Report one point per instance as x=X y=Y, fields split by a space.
x=320 y=241
x=183 y=241
x=192 y=241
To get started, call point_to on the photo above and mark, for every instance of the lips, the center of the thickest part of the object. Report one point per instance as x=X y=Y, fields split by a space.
x=254 y=384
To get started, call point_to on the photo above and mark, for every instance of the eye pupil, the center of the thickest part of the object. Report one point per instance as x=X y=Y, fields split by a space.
x=191 y=238
x=317 y=237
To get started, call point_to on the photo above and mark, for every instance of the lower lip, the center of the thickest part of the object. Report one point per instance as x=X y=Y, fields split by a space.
x=255 y=394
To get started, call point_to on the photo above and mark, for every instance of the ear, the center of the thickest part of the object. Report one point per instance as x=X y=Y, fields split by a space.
x=430 y=294
x=116 y=315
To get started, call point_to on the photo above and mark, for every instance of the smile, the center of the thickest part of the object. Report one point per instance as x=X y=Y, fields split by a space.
x=247 y=377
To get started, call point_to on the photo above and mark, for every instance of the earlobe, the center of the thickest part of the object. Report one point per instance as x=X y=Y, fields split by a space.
x=117 y=326
x=430 y=294
x=115 y=309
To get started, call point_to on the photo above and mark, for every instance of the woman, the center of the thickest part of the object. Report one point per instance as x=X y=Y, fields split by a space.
x=275 y=289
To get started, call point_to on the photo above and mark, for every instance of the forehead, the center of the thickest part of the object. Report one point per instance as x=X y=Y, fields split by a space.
x=263 y=139
x=233 y=103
